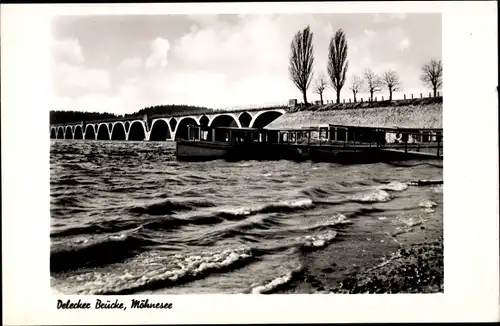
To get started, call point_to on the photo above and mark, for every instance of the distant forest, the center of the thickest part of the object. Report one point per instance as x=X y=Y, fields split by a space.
x=60 y=117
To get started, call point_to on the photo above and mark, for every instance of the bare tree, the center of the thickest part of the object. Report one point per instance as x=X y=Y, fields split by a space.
x=337 y=61
x=391 y=80
x=432 y=75
x=373 y=81
x=319 y=86
x=356 y=85
x=301 y=60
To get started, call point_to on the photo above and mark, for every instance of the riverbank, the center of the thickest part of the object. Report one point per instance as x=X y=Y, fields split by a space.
x=382 y=254
x=421 y=113
x=416 y=269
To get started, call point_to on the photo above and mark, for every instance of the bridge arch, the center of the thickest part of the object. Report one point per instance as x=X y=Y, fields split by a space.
x=78 y=133
x=225 y=120
x=204 y=120
x=181 y=130
x=160 y=130
x=68 y=134
x=137 y=131
x=118 y=131
x=103 y=132
x=245 y=119
x=90 y=132
x=60 y=133
x=53 y=133
x=262 y=119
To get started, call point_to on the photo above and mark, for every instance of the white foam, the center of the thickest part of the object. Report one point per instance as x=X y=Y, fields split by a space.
x=409 y=221
x=376 y=196
x=438 y=189
x=118 y=237
x=261 y=289
x=170 y=267
x=305 y=202
x=427 y=204
x=240 y=211
x=319 y=240
x=334 y=220
x=394 y=186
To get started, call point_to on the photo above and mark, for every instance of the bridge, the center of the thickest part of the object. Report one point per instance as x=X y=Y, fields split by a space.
x=162 y=127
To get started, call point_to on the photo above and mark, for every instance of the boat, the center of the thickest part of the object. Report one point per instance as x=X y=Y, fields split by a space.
x=330 y=143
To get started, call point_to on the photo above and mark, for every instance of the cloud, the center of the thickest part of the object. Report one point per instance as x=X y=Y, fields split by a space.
x=68 y=50
x=159 y=55
x=131 y=63
x=382 y=18
x=203 y=19
x=70 y=77
x=88 y=102
x=404 y=44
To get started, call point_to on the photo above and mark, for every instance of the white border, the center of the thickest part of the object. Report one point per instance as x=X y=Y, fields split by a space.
x=471 y=175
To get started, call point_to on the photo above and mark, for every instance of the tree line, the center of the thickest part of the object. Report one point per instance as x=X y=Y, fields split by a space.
x=302 y=63
x=60 y=117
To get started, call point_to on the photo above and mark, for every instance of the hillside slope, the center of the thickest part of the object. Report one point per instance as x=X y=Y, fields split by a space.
x=408 y=114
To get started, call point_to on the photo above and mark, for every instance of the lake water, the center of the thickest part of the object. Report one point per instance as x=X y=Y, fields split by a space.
x=126 y=217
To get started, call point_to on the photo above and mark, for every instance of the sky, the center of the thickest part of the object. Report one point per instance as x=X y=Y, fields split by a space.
x=121 y=64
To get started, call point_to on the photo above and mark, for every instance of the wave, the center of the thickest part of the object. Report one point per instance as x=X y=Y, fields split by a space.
x=67 y=201
x=170 y=222
x=169 y=206
x=97 y=251
x=438 y=189
x=338 y=219
x=65 y=182
x=171 y=270
x=394 y=186
x=319 y=240
x=373 y=197
x=427 y=204
x=280 y=207
x=316 y=192
x=407 y=221
x=276 y=283
x=110 y=226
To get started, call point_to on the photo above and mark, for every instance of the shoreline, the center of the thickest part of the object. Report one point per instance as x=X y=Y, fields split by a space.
x=410 y=261
x=418 y=268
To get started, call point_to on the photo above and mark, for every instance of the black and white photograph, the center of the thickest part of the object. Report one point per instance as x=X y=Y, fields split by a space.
x=255 y=153
x=199 y=158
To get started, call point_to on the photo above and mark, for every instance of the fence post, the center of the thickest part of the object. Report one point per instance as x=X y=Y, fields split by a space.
x=382 y=97
x=420 y=95
x=430 y=94
x=404 y=96
x=412 y=96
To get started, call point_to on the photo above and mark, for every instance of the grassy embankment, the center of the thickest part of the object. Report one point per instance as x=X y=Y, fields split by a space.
x=416 y=113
